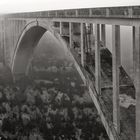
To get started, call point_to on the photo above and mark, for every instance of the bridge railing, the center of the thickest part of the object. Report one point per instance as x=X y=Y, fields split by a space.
x=108 y=12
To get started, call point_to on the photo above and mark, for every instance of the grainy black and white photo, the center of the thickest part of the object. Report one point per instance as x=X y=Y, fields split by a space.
x=69 y=70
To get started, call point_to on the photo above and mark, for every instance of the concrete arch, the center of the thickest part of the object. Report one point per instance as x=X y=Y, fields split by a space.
x=27 y=41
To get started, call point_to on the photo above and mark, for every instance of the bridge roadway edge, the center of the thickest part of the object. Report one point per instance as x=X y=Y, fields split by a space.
x=111 y=132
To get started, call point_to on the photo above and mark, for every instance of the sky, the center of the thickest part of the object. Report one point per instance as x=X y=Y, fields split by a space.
x=10 y=6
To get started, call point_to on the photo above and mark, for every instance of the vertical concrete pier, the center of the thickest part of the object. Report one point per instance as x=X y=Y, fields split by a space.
x=61 y=24
x=134 y=53
x=97 y=59
x=82 y=43
x=137 y=80
x=103 y=34
x=116 y=71
x=70 y=34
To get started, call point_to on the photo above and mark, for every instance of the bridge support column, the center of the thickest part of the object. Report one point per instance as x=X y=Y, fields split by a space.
x=97 y=59
x=2 y=38
x=116 y=64
x=70 y=34
x=103 y=35
x=134 y=55
x=61 y=28
x=137 y=80
x=82 y=43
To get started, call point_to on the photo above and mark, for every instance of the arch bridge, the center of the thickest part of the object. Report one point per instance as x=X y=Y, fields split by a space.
x=85 y=31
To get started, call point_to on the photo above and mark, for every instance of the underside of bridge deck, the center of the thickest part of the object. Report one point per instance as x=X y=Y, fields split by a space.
x=24 y=52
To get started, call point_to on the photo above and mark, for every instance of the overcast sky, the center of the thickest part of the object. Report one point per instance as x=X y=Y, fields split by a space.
x=8 y=6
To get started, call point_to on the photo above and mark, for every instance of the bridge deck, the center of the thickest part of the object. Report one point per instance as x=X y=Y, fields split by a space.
x=127 y=93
